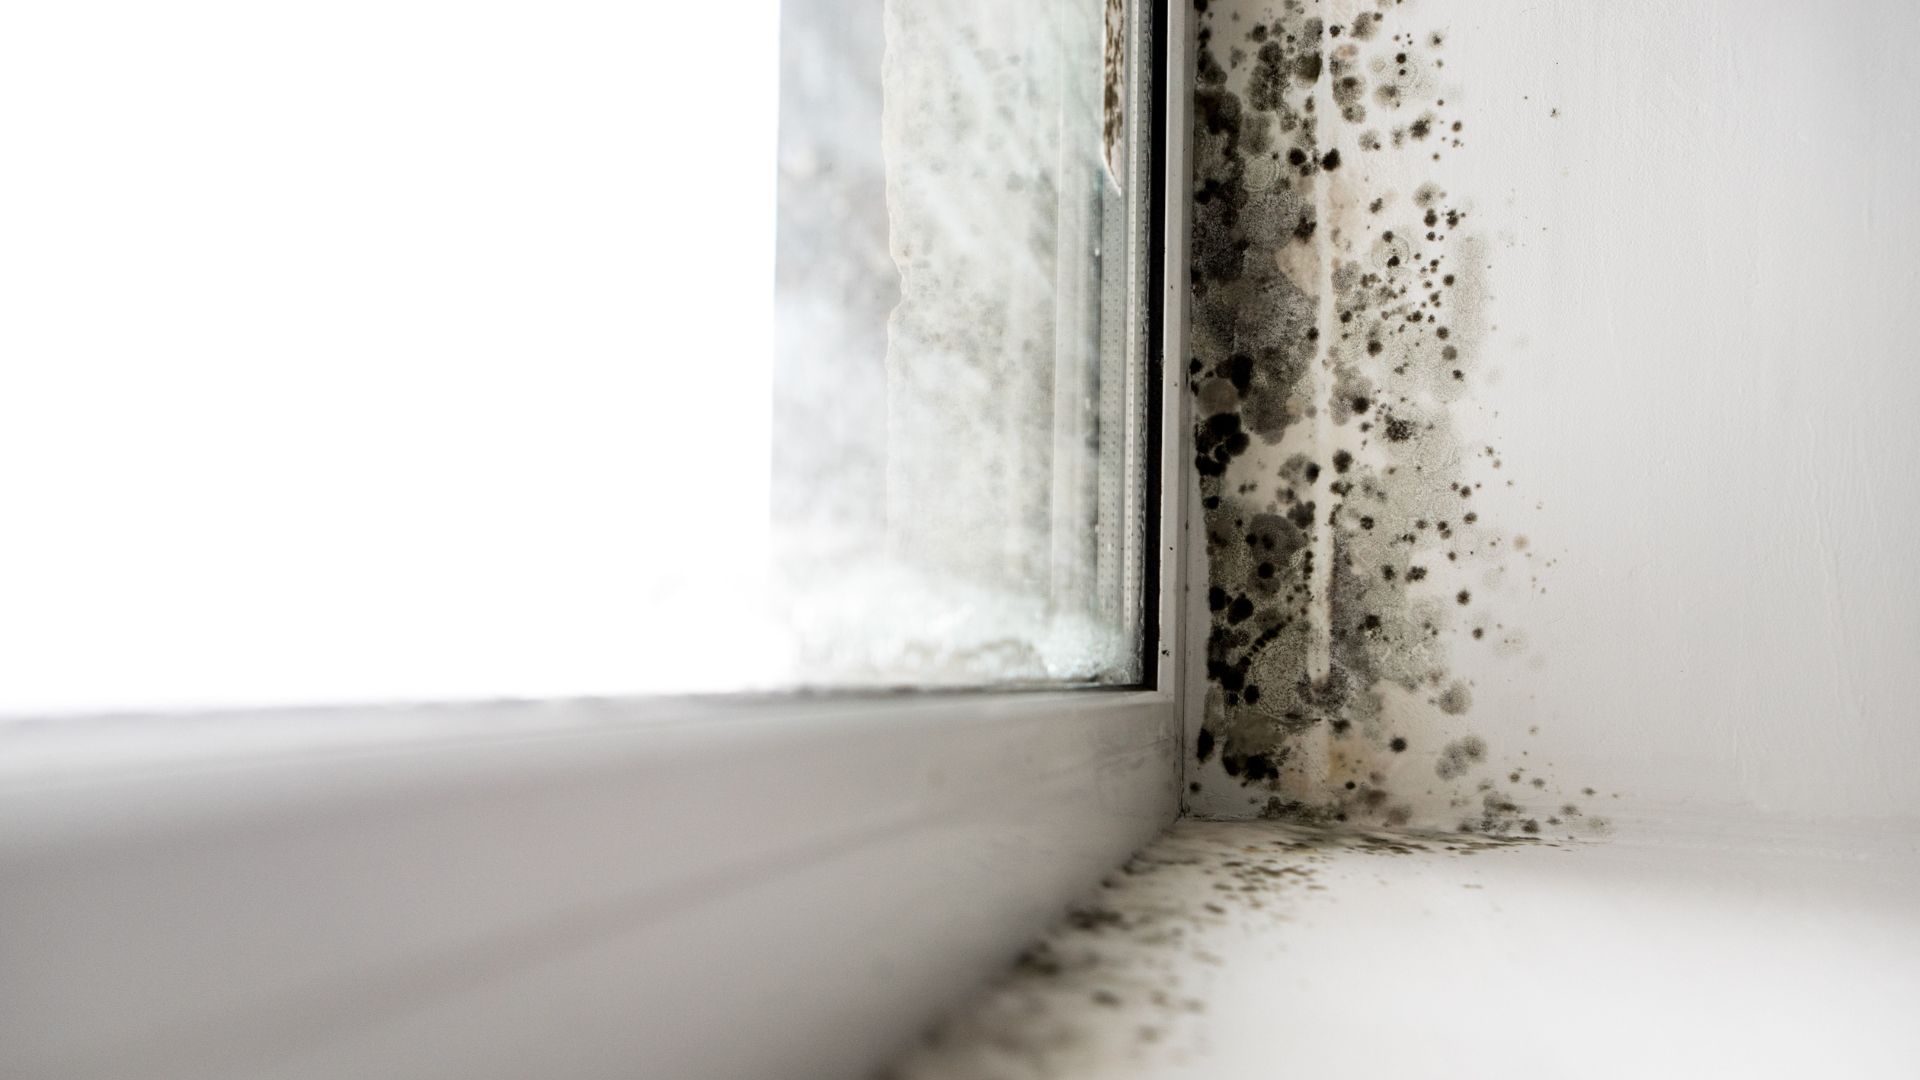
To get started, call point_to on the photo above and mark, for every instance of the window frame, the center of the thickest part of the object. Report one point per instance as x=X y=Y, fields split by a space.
x=764 y=885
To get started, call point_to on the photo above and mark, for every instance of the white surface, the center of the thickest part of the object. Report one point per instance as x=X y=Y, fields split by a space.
x=1713 y=954
x=531 y=890
x=1704 y=384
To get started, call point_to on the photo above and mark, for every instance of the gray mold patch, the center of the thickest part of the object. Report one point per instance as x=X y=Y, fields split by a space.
x=1126 y=977
x=1338 y=317
x=1460 y=757
x=1255 y=161
x=1258 y=174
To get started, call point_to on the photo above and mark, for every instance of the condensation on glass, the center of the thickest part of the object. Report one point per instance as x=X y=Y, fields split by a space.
x=959 y=390
x=440 y=352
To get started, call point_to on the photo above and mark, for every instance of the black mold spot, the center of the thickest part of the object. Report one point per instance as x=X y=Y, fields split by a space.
x=1239 y=371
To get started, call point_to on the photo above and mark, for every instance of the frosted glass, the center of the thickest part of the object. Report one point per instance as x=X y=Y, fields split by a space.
x=966 y=276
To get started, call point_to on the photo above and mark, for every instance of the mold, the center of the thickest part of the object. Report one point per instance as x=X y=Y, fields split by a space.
x=1460 y=756
x=1126 y=974
x=1339 y=315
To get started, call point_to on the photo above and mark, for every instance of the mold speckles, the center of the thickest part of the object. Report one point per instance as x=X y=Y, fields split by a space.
x=1254 y=221
x=1256 y=270
x=1338 y=317
x=1121 y=984
x=1113 y=101
x=1459 y=756
x=1349 y=86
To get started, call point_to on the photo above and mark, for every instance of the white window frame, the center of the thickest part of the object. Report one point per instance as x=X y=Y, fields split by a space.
x=782 y=886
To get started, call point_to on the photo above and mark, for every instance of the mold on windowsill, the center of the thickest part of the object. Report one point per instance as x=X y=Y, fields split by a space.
x=1268 y=948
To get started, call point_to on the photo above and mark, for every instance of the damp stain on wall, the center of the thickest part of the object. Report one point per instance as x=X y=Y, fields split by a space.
x=1339 y=313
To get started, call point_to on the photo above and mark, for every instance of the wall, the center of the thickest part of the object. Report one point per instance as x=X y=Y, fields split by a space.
x=1685 y=411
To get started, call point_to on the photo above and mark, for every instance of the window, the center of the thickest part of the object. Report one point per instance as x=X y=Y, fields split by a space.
x=585 y=353
x=394 y=352
x=961 y=363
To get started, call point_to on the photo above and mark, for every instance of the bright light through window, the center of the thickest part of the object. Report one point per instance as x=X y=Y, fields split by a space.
x=406 y=351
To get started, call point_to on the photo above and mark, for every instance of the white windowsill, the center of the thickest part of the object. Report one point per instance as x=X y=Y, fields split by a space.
x=582 y=890
x=1693 y=947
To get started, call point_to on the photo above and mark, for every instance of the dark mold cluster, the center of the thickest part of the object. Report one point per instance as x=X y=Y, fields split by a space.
x=1254 y=224
x=1336 y=321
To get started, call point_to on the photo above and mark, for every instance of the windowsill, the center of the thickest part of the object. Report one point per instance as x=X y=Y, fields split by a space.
x=560 y=889
x=1726 y=951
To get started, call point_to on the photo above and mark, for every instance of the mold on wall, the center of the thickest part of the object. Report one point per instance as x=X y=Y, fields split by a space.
x=1339 y=310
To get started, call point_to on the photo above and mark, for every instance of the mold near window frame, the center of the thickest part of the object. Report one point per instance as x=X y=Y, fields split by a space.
x=1339 y=310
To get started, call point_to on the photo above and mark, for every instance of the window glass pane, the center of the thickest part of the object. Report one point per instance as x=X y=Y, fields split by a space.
x=956 y=363
x=406 y=350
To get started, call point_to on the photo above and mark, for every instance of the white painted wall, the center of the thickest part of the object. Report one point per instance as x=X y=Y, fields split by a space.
x=1705 y=385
